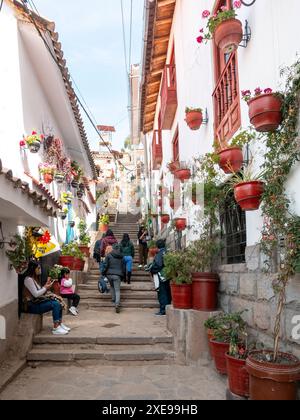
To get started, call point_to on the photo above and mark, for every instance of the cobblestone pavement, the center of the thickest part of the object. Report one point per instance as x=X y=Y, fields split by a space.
x=152 y=382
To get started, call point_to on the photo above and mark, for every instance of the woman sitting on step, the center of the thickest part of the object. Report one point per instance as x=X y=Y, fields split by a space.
x=127 y=249
x=38 y=301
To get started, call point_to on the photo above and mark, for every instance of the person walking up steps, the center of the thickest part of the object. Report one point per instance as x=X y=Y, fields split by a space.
x=127 y=249
x=114 y=270
x=108 y=240
x=143 y=237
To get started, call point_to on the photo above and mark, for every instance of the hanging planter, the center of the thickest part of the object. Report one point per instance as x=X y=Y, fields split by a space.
x=271 y=381
x=62 y=215
x=48 y=178
x=75 y=184
x=80 y=194
x=231 y=160
x=47 y=171
x=72 y=224
x=33 y=142
x=249 y=194
x=165 y=218
x=180 y=224
x=228 y=35
x=183 y=174
x=194 y=118
x=173 y=166
x=59 y=177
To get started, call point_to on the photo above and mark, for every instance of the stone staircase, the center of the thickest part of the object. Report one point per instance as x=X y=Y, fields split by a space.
x=101 y=336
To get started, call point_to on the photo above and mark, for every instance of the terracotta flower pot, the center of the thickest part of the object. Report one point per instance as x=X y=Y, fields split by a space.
x=165 y=218
x=183 y=174
x=56 y=288
x=238 y=377
x=231 y=160
x=180 y=224
x=181 y=296
x=228 y=35
x=67 y=261
x=153 y=252
x=248 y=194
x=271 y=381
x=78 y=264
x=48 y=178
x=34 y=147
x=205 y=291
x=194 y=119
x=85 y=250
x=265 y=112
x=173 y=166
x=219 y=351
x=103 y=228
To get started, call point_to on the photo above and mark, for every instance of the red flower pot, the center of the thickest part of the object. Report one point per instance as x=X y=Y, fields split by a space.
x=181 y=296
x=205 y=291
x=238 y=377
x=272 y=381
x=153 y=252
x=194 y=119
x=103 y=228
x=248 y=194
x=85 y=250
x=265 y=112
x=180 y=224
x=231 y=160
x=219 y=351
x=228 y=35
x=78 y=264
x=67 y=261
x=173 y=166
x=56 y=288
x=165 y=218
x=48 y=178
x=183 y=174
x=210 y=336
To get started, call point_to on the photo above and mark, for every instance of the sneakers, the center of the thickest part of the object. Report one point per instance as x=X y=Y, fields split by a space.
x=59 y=331
x=64 y=327
x=160 y=314
x=118 y=309
x=73 y=311
x=140 y=266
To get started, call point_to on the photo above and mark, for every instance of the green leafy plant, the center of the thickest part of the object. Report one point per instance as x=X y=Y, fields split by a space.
x=104 y=219
x=152 y=244
x=190 y=109
x=177 y=267
x=72 y=250
x=84 y=237
x=20 y=253
x=202 y=253
x=54 y=272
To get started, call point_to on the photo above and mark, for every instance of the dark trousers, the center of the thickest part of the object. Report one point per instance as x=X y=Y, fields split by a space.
x=74 y=298
x=143 y=253
x=164 y=295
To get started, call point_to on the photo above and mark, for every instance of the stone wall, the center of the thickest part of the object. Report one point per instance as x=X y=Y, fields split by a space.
x=246 y=286
x=9 y=322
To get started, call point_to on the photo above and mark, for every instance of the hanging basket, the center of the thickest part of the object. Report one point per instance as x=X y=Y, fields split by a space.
x=165 y=218
x=228 y=35
x=265 y=112
x=34 y=147
x=173 y=166
x=183 y=174
x=248 y=195
x=75 y=184
x=180 y=224
x=59 y=178
x=194 y=119
x=48 y=178
x=231 y=160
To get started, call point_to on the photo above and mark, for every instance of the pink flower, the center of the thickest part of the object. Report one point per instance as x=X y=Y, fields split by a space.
x=22 y=143
x=237 y=4
x=200 y=39
x=205 y=14
x=246 y=92
x=224 y=8
x=201 y=31
x=258 y=91
x=268 y=91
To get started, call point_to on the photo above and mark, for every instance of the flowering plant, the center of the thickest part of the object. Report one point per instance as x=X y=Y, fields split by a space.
x=190 y=109
x=55 y=272
x=34 y=138
x=213 y=21
x=247 y=94
x=66 y=197
x=104 y=219
x=76 y=170
x=47 y=168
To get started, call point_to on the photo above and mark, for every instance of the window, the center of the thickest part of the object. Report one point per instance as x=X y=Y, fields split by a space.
x=233 y=232
x=226 y=95
x=176 y=146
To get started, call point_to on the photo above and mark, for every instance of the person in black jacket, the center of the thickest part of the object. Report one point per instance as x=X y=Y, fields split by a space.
x=114 y=270
x=164 y=291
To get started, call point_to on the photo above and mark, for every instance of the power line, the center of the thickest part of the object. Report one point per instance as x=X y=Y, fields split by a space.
x=78 y=99
x=130 y=36
x=1 y=5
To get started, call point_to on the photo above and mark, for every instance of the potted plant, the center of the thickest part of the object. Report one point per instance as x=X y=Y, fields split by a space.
x=80 y=193
x=72 y=223
x=211 y=324
x=104 y=223
x=72 y=257
x=34 y=141
x=66 y=197
x=59 y=177
x=47 y=170
x=153 y=250
x=177 y=269
x=194 y=118
x=172 y=166
x=165 y=219
x=54 y=274
x=84 y=238
x=265 y=109
x=180 y=224
x=224 y=28
x=63 y=213
x=19 y=254
x=183 y=173
x=77 y=173
x=248 y=189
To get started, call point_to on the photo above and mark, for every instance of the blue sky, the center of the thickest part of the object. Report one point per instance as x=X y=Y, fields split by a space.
x=92 y=39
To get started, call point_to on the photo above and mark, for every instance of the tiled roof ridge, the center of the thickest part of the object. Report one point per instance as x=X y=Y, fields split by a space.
x=50 y=27
x=45 y=191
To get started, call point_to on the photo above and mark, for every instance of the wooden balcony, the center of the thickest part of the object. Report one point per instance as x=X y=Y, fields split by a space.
x=168 y=97
x=157 y=153
x=226 y=100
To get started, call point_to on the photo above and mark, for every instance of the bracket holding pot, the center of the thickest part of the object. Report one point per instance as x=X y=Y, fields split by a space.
x=246 y=35
x=205 y=118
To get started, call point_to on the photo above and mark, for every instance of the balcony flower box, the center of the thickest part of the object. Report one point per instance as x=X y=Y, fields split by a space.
x=194 y=118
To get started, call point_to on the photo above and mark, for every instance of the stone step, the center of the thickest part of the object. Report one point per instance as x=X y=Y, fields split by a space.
x=149 y=295
x=107 y=304
x=66 y=355
x=102 y=340
x=134 y=279
x=135 y=274
x=134 y=287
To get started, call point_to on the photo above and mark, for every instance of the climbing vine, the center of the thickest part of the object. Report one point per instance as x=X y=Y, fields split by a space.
x=282 y=224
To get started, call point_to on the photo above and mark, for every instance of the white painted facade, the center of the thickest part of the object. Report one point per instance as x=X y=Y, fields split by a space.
x=274 y=44
x=33 y=97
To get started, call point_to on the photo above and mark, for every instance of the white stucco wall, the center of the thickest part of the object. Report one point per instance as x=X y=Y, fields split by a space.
x=274 y=43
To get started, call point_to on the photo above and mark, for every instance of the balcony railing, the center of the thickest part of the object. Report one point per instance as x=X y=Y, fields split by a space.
x=168 y=97
x=227 y=101
x=157 y=153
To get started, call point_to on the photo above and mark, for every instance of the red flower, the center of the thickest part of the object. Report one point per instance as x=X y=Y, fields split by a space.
x=268 y=91
x=45 y=239
x=205 y=14
x=200 y=39
x=22 y=143
x=34 y=133
x=237 y=4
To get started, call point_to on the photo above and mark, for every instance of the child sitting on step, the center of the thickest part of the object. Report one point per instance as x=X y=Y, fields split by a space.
x=67 y=291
